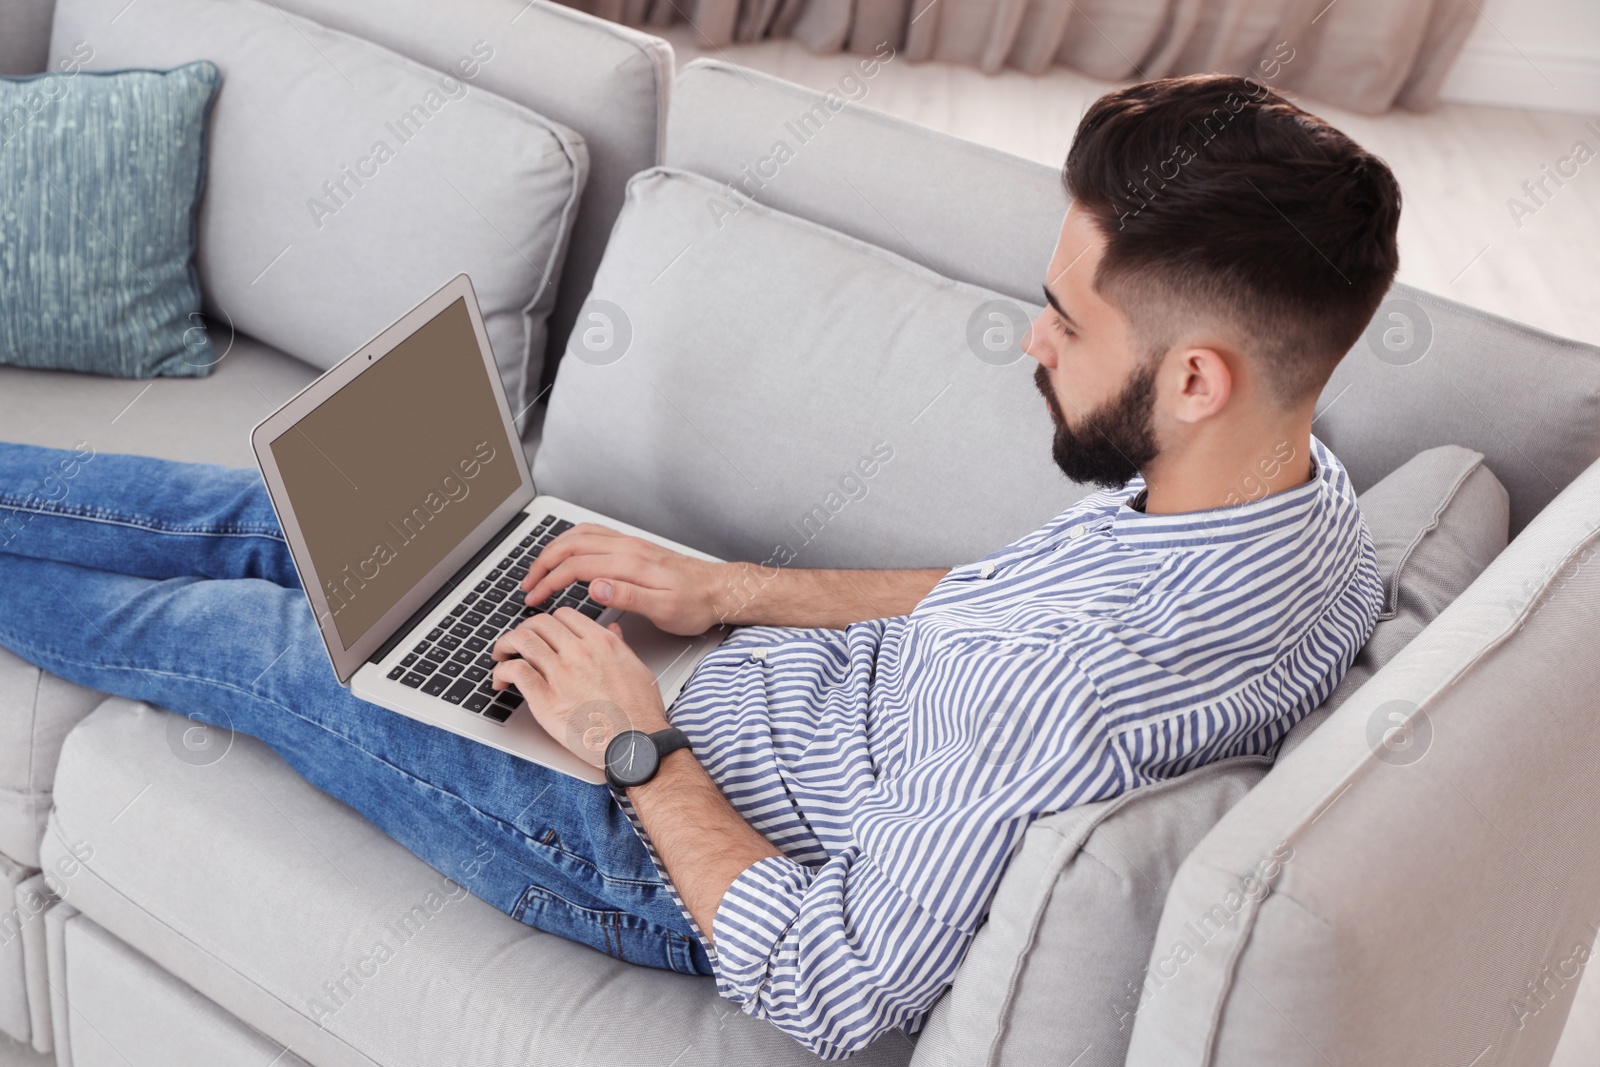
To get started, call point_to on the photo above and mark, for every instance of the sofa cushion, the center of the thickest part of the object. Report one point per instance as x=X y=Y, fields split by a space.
x=868 y=174
x=775 y=390
x=37 y=709
x=1056 y=970
x=347 y=182
x=609 y=82
x=178 y=853
x=112 y=999
x=1434 y=902
x=1436 y=523
x=1428 y=372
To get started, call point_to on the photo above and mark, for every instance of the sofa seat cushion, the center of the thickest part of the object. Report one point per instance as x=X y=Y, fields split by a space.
x=250 y=885
x=37 y=710
x=346 y=182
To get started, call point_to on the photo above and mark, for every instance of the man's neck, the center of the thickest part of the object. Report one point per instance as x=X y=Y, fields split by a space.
x=1222 y=473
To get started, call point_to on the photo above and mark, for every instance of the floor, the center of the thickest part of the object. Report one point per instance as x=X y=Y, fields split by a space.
x=1458 y=167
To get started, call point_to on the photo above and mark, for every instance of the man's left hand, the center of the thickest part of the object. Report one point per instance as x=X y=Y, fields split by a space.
x=582 y=682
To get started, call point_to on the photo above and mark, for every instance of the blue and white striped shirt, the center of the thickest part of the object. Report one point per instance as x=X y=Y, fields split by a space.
x=898 y=762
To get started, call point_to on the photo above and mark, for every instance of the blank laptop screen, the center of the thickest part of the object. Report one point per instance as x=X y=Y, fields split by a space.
x=396 y=468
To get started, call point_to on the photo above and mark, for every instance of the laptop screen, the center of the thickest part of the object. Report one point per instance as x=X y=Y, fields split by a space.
x=397 y=468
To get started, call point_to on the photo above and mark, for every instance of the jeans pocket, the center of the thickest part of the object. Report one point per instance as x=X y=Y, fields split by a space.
x=619 y=934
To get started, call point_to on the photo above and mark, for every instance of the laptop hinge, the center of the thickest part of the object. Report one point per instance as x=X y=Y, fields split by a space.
x=444 y=590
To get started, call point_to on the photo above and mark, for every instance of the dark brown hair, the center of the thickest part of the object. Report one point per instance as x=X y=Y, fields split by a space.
x=1220 y=199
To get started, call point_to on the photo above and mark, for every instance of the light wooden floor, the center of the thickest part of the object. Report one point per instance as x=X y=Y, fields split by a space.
x=1457 y=167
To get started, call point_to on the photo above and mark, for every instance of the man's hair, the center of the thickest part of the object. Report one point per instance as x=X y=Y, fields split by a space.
x=1221 y=201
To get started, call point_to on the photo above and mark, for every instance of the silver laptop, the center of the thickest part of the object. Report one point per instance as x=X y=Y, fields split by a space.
x=406 y=500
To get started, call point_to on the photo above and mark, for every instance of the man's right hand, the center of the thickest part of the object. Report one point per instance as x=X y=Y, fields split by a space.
x=674 y=591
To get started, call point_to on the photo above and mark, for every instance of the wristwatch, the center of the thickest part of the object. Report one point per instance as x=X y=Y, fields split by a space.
x=633 y=756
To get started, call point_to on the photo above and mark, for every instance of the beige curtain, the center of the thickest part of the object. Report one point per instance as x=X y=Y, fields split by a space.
x=1365 y=55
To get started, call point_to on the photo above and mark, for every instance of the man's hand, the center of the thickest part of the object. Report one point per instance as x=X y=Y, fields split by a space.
x=687 y=596
x=674 y=591
x=583 y=684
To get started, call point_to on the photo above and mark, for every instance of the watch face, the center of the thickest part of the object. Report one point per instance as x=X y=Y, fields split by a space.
x=631 y=757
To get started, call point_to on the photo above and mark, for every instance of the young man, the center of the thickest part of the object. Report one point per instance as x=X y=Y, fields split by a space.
x=854 y=784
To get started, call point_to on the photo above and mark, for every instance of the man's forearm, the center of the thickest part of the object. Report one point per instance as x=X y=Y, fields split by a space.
x=750 y=594
x=703 y=842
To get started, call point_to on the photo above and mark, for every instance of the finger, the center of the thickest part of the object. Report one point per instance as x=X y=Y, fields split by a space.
x=577 y=625
x=529 y=682
x=588 y=568
x=567 y=547
x=613 y=592
x=524 y=641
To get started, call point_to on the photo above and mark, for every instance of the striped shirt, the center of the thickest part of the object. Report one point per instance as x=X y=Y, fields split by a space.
x=898 y=762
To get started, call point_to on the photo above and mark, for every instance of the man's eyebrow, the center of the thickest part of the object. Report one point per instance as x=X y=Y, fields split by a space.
x=1050 y=298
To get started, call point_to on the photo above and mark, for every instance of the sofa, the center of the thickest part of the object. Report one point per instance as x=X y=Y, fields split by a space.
x=1407 y=881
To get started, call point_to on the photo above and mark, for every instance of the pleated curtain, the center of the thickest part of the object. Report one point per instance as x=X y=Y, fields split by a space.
x=1365 y=55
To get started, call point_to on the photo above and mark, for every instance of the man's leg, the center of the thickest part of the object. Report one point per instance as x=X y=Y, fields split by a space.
x=244 y=654
x=138 y=515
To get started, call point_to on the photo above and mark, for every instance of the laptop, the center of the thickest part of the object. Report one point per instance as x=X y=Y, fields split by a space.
x=404 y=494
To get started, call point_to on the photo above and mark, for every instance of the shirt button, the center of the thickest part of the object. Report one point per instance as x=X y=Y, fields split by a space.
x=986 y=570
x=1077 y=531
x=759 y=655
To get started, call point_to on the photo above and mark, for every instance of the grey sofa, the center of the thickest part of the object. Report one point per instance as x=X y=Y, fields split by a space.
x=1393 y=910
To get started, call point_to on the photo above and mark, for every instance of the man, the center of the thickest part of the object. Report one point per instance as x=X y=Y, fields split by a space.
x=866 y=754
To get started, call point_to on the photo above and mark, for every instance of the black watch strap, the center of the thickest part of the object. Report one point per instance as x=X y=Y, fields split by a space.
x=669 y=740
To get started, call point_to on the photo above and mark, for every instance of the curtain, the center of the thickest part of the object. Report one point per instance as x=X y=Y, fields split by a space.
x=1364 y=55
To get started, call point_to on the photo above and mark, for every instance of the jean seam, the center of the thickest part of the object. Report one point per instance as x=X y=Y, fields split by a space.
x=35 y=507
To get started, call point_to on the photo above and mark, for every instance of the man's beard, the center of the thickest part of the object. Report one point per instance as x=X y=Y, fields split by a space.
x=1116 y=440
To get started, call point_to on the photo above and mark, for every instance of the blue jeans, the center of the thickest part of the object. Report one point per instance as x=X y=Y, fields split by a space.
x=171 y=583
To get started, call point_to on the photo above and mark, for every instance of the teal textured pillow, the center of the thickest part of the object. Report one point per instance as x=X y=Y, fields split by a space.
x=103 y=174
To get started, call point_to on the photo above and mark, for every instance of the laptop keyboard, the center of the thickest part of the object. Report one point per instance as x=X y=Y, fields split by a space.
x=454 y=661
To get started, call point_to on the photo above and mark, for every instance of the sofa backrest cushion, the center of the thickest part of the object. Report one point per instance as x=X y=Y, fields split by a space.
x=1436 y=523
x=1444 y=892
x=345 y=182
x=1428 y=372
x=772 y=390
x=609 y=82
x=1065 y=960
x=967 y=211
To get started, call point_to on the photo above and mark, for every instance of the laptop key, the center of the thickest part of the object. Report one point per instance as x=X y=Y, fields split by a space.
x=461 y=629
x=450 y=642
x=435 y=633
x=475 y=673
x=413 y=680
x=591 y=609
x=396 y=674
x=422 y=646
x=480 y=587
x=473 y=618
x=437 y=684
x=474 y=644
x=451 y=669
x=526 y=541
x=492 y=575
x=475 y=702
x=497 y=712
x=437 y=654
x=561 y=527
x=464 y=655
x=458 y=692
x=410 y=658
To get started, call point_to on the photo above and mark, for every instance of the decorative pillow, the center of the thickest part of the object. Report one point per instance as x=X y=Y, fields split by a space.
x=347 y=182
x=1436 y=523
x=103 y=174
x=1067 y=957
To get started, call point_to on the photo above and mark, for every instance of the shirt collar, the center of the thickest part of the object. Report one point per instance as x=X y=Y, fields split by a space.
x=1225 y=525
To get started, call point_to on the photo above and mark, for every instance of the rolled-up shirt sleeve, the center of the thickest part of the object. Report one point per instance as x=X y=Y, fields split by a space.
x=833 y=956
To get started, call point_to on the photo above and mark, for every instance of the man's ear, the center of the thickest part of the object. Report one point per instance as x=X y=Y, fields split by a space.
x=1205 y=382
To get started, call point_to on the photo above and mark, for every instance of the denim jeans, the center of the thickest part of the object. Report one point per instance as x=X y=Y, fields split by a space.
x=171 y=583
